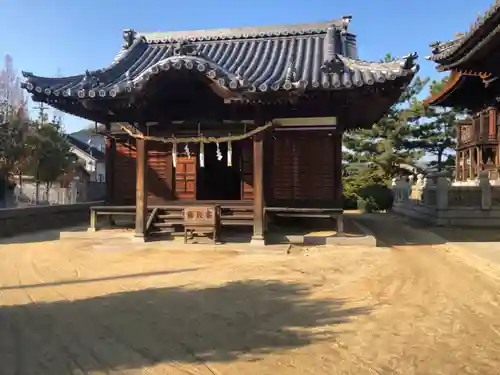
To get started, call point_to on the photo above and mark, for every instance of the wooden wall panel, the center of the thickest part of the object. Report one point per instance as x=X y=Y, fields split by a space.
x=247 y=168
x=124 y=173
x=304 y=169
x=160 y=173
x=284 y=164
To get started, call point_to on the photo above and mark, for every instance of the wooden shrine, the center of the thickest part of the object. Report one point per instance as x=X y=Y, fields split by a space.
x=248 y=120
x=473 y=85
x=478 y=145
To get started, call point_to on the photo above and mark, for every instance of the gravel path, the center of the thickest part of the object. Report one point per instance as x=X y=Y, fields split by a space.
x=68 y=308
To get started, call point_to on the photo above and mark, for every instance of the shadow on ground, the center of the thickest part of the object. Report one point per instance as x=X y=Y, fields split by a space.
x=143 y=328
x=392 y=230
x=96 y=280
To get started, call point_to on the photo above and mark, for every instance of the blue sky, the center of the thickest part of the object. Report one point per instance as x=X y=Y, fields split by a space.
x=70 y=36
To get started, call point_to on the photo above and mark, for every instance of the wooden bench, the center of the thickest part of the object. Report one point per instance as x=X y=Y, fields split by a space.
x=109 y=212
x=324 y=213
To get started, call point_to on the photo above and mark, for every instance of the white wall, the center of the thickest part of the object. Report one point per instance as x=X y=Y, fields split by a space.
x=96 y=169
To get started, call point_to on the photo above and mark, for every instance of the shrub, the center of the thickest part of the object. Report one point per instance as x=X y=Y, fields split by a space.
x=367 y=204
x=376 y=197
x=349 y=201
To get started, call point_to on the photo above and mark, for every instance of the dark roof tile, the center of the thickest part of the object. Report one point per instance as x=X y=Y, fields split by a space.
x=89 y=149
x=444 y=50
x=246 y=60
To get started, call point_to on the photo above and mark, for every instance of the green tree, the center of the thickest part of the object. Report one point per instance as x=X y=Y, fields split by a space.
x=436 y=135
x=379 y=151
x=50 y=156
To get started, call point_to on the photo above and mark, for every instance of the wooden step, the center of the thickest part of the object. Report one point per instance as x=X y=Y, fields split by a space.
x=163 y=231
x=176 y=215
x=164 y=224
x=247 y=216
x=223 y=212
x=227 y=223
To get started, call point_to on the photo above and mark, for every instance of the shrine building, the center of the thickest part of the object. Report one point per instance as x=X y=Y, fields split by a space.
x=248 y=121
x=472 y=60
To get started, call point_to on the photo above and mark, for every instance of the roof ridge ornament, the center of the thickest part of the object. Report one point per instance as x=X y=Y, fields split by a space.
x=89 y=81
x=345 y=21
x=409 y=61
x=183 y=47
x=129 y=36
x=332 y=63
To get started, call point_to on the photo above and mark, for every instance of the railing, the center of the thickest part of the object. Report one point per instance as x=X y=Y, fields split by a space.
x=437 y=191
x=464 y=196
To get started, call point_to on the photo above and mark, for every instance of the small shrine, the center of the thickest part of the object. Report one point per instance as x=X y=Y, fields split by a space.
x=473 y=86
x=248 y=121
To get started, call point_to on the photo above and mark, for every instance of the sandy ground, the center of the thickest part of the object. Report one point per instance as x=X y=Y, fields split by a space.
x=77 y=307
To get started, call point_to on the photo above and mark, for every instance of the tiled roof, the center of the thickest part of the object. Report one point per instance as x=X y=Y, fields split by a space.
x=89 y=149
x=319 y=56
x=444 y=50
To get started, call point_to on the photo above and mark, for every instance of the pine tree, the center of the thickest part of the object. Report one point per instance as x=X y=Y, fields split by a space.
x=377 y=152
x=436 y=135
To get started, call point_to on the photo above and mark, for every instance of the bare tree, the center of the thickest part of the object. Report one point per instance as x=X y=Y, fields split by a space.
x=13 y=124
x=12 y=98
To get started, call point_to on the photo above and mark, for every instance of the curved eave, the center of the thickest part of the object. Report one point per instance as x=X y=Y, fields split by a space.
x=438 y=98
x=461 y=91
x=344 y=73
x=450 y=53
x=371 y=106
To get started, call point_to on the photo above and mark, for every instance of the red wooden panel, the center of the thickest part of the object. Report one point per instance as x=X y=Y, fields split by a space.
x=304 y=166
x=247 y=168
x=185 y=177
x=160 y=173
x=124 y=172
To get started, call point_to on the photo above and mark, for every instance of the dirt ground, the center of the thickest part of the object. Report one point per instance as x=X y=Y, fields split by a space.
x=77 y=307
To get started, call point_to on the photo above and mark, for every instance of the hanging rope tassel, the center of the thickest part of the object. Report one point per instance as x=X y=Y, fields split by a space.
x=202 y=155
x=219 y=154
x=174 y=154
x=229 y=154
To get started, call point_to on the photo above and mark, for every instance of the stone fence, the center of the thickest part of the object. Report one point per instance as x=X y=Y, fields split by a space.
x=436 y=201
x=15 y=221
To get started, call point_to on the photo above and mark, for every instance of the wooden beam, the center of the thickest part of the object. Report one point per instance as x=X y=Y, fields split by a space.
x=258 y=189
x=141 y=201
x=110 y=166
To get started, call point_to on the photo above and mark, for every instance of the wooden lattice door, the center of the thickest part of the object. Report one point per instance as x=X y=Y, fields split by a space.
x=185 y=178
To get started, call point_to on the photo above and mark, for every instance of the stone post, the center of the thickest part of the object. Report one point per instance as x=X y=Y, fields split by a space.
x=484 y=185
x=428 y=184
x=410 y=186
x=419 y=187
x=442 y=187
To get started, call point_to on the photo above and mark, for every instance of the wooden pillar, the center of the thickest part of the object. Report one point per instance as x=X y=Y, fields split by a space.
x=471 y=163
x=258 y=190
x=141 y=195
x=492 y=124
x=481 y=125
x=110 y=167
x=457 y=166
x=339 y=189
x=479 y=161
x=464 y=165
